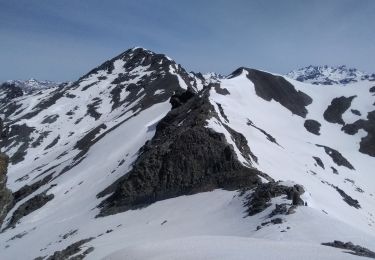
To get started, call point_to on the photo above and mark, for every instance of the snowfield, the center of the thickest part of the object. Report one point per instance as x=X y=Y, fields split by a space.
x=226 y=247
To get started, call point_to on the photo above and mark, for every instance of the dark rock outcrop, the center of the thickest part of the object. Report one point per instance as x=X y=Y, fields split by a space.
x=367 y=144
x=280 y=209
x=219 y=89
x=116 y=96
x=29 y=189
x=356 y=112
x=53 y=143
x=337 y=157
x=260 y=198
x=319 y=161
x=355 y=249
x=68 y=252
x=241 y=144
x=87 y=141
x=337 y=108
x=28 y=207
x=334 y=170
x=181 y=97
x=92 y=108
x=222 y=113
x=269 y=137
x=184 y=157
x=268 y=87
x=349 y=200
x=50 y=119
x=312 y=126
x=18 y=135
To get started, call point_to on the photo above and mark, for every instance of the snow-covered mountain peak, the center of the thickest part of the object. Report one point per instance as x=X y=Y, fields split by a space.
x=135 y=64
x=330 y=75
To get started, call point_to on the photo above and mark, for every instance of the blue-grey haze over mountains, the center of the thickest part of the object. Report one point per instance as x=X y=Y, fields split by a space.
x=61 y=40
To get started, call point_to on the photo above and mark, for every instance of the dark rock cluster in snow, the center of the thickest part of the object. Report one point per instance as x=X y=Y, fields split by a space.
x=260 y=198
x=312 y=126
x=353 y=249
x=337 y=108
x=367 y=144
x=184 y=157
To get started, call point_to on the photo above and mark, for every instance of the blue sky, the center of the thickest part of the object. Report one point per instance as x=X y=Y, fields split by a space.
x=63 y=39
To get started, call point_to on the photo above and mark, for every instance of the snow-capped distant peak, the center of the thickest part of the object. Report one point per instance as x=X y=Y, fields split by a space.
x=34 y=84
x=330 y=75
x=212 y=77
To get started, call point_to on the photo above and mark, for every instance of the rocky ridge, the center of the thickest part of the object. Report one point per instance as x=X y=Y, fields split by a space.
x=184 y=157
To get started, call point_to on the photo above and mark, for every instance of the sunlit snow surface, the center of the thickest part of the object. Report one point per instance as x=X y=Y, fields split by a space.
x=227 y=247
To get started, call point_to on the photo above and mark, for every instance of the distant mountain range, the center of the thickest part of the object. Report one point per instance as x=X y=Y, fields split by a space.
x=34 y=84
x=317 y=75
x=329 y=75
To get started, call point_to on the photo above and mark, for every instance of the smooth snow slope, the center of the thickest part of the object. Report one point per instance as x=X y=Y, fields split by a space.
x=226 y=247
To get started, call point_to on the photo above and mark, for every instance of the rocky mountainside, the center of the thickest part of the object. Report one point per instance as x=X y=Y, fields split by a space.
x=139 y=159
x=329 y=75
x=6 y=197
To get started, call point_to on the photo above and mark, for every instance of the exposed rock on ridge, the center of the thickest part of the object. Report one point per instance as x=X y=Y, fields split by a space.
x=184 y=157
